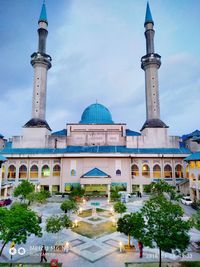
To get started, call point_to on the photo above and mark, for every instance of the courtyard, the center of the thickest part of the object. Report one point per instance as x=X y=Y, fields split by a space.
x=93 y=242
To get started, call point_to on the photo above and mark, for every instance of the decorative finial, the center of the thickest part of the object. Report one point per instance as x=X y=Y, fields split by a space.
x=148 y=17
x=43 y=14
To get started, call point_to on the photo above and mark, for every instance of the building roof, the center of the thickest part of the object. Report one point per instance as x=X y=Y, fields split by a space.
x=132 y=133
x=148 y=16
x=43 y=14
x=96 y=114
x=2 y=158
x=37 y=123
x=196 y=133
x=60 y=133
x=194 y=156
x=95 y=173
x=94 y=149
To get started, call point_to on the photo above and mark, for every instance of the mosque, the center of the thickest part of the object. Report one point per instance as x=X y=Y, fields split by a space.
x=96 y=152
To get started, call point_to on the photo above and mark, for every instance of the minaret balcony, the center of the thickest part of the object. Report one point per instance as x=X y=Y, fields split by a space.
x=150 y=59
x=41 y=58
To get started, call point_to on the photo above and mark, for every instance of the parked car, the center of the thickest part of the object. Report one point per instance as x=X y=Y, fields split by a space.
x=5 y=202
x=186 y=200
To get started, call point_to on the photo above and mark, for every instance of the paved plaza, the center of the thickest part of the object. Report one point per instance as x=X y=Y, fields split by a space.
x=84 y=251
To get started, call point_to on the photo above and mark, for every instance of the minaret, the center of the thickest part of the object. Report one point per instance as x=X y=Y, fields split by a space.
x=41 y=63
x=150 y=63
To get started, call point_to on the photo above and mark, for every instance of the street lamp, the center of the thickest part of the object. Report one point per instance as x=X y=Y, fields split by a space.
x=76 y=223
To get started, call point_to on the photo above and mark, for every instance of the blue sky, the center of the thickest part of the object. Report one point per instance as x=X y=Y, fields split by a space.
x=96 y=47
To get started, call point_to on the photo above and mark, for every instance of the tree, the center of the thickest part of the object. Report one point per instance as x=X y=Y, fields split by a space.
x=39 y=197
x=77 y=191
x=66 y=222
x=120 y=207
x=164 y=226
x=131 y=225
x=55 y=224
x=42 y=196
x=196 y=219
x=17 y=223
x=24 y=189
x=115 y=193
x=68 y=206
x=161 y=187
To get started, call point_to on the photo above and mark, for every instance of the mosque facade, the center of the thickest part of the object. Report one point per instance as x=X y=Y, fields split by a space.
x=96 y=152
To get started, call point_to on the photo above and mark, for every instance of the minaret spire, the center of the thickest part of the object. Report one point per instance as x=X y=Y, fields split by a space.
x=41 y=63
x=150 y=63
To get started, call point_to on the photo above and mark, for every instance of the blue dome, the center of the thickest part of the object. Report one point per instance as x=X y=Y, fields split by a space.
x=97 y=114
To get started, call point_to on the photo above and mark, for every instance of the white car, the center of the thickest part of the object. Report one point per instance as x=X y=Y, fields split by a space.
x=186 y=200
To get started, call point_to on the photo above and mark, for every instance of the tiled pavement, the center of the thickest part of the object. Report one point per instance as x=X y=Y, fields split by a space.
x=99 y=252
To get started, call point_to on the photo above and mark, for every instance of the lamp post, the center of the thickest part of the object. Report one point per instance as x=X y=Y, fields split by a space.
x=76 y=223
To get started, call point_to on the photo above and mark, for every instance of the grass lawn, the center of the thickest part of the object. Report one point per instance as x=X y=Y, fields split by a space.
x=27 y=264
x=101 y=212
x=165 y=264
x=94 y=219
x=91 y=230
x=85 y=213
x=104 y=213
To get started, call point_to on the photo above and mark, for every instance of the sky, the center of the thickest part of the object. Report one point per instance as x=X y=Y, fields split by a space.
x=96 y=47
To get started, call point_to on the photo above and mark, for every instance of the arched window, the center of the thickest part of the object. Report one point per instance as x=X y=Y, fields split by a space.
x=179 y=171
x=3 y=171
x=34 y=171
x=167 y=171
x=118 y=172
x=73 y=172
x=23 y=171
x=187 y=171
x=56 y=170
x=45 y=171
x=12 y=171
x=156 y=171
x=145 y=171
x=134 y=171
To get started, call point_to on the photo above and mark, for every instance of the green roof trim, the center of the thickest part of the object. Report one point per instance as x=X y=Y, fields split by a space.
x=148 y=16
x=43 y=14
x=2 y=158
x=94 y=149
x=194 y=156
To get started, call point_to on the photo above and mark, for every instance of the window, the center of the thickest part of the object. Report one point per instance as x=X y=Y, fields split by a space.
x=34 y=171
x=167 y=171
x=134 y=171
x=12 y=171
x=156 y=171
x=23 y=171
x=73 y=172
x=118 y=172
x=45 y=171
x=145 y=171
x=56 y=170
x=179 y=171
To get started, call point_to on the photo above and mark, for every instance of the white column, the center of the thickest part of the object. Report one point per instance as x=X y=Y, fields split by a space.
x=5 y=192
x=108 y=191
x=0 y=179
x=141 y=188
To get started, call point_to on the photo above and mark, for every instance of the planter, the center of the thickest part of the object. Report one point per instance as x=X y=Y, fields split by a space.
x=130 y=248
